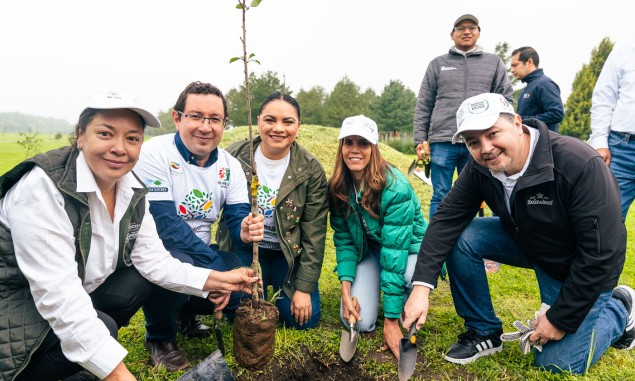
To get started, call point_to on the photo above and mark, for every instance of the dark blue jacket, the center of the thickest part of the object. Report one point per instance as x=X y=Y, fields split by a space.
x=540 y=99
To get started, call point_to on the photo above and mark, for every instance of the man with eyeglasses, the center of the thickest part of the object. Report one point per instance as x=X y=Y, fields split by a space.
x=466 y=70
x=190 y=181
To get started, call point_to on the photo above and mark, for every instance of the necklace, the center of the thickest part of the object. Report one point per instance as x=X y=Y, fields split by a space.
x=357 y=198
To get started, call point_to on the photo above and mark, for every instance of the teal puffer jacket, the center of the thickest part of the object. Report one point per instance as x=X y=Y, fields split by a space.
x=399 y=229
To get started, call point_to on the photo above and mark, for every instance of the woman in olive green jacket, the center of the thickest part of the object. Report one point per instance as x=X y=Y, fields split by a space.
x=378 y=228
x=293 y=198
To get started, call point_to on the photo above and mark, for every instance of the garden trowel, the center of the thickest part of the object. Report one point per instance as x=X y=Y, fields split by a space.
x=212 y=368
x=218 y=315
x=348 y=342
x=418 y=164
x=407 y=354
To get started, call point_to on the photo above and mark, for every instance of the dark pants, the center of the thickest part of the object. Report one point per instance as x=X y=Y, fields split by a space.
x=162 y=306
x=116 y=301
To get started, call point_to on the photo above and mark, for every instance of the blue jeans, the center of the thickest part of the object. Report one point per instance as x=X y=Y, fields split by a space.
x=367 y=286
x=445 y=157
x=622 y=147
x=485 y=238
x=274 y=267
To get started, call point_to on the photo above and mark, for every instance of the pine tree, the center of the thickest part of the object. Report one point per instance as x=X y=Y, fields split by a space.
x=395 y=108
x=577 y=117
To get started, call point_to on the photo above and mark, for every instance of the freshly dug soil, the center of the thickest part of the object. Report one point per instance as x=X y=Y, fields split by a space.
x=255 y=333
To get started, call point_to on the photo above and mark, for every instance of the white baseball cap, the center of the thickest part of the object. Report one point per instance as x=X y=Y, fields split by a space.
x=480 y=113
x=361 y=126
x=116 y=99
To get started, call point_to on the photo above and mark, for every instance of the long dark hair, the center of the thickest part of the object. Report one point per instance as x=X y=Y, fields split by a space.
x=373 y=183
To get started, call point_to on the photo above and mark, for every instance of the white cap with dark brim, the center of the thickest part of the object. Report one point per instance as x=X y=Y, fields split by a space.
x=117 y=99
x=480 y=113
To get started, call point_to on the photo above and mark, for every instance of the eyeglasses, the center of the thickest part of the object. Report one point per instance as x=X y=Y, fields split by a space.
x=463 y=28
x=195 y=119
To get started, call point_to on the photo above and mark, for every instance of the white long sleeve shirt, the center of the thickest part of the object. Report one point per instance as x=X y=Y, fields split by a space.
x=613 y=102
x=44 y=245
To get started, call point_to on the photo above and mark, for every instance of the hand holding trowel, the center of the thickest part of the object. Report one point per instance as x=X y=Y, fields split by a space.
x=422 y=161
x=348 y=341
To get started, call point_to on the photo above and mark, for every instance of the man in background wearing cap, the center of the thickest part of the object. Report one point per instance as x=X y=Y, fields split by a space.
x=463 y=72
x=190 y=180
x=557 y=212
x=540 y=99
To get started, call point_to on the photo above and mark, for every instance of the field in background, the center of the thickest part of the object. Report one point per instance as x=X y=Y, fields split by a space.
x=11 y=153
x=515 y=297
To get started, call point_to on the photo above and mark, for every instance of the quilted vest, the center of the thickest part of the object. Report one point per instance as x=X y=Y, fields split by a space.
x=22 y=328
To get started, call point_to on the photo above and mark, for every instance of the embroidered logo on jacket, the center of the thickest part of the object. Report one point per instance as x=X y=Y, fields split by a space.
x=446 y=68
x=539 y=199
x=197 y=204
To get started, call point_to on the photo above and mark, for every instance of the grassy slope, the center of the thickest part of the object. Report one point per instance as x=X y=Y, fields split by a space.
x=515 y=296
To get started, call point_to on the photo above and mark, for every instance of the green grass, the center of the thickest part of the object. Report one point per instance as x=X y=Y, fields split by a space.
x=515 y=296
x=11 y=153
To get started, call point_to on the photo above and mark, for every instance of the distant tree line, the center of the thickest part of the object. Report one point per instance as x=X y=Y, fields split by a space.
x=18 y=122
x=393 y=109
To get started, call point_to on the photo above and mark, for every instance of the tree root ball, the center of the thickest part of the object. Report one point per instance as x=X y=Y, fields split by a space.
x=255 y=333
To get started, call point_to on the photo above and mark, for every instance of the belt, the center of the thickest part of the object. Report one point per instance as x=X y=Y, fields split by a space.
x=624 y=135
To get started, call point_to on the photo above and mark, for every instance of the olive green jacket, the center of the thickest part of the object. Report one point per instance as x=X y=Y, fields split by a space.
x=300 y=215
x=22 y=328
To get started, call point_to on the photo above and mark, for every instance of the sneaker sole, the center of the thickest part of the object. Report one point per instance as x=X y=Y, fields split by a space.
x=468 y=360
x=630 y=324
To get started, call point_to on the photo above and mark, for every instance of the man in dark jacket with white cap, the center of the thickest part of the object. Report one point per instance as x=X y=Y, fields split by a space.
x=557 y=210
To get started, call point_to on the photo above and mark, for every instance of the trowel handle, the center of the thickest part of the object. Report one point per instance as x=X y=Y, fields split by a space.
x=351 y=317
x=412 y=333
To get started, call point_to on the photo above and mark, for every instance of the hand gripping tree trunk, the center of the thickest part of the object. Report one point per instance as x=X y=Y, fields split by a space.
x=255 y=323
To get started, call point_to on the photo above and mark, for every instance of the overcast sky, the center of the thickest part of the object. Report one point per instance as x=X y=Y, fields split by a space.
x=54 y=53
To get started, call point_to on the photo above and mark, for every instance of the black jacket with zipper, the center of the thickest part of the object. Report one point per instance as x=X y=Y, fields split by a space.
x=565 y=217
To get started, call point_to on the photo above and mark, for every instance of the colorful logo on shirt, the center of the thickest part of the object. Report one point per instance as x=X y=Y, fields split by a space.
x=267 y=200
x=223 y=177
x=155 y=185
x=175 y=165
x=197 y=204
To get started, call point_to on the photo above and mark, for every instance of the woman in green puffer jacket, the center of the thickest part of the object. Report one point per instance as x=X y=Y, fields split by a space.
x=378 y=228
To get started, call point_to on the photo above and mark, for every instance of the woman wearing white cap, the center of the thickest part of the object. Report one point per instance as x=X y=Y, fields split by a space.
x=378 y=227
x=79 y=250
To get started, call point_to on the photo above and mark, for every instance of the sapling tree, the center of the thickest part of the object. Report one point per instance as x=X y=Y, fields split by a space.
x=255 y=322
x=242 y=5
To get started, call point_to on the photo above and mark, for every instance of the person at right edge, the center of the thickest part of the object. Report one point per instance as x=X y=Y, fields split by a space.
x=466 y=70
x=557 y=209
x=613 y=118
